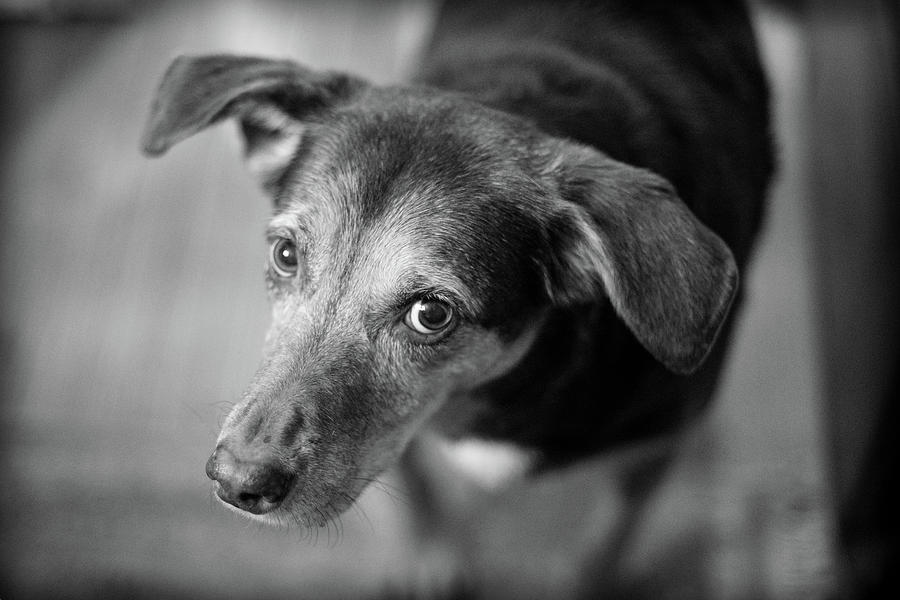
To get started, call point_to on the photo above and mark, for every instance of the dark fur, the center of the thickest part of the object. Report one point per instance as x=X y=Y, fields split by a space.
x=498 y=165
x=674 y=87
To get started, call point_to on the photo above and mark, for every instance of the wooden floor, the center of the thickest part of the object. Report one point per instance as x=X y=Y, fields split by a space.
x=134 y=310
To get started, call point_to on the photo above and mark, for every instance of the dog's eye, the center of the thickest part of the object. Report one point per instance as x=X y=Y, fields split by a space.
x=428 y=317
x=285 y=261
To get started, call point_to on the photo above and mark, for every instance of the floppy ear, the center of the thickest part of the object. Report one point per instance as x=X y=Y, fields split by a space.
x=624 y=231
x=270 y=97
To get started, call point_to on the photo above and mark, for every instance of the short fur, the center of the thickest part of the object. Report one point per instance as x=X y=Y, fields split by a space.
x=581 y=182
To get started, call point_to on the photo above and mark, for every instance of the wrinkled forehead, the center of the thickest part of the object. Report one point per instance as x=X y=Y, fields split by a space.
x=366 y=160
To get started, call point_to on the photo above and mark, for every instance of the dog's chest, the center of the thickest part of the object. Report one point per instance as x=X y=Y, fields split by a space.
x=491 y=465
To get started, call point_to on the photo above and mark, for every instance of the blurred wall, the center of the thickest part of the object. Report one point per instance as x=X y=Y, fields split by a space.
x=854 y=74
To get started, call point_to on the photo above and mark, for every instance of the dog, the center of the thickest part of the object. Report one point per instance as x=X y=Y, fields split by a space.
x=536 y=242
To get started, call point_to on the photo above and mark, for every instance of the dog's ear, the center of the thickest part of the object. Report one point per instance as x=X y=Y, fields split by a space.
x=623 y=231
x=270 y=97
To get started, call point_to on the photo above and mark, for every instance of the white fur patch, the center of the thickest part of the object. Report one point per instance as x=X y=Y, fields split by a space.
x=492 y=465
x=270 y=155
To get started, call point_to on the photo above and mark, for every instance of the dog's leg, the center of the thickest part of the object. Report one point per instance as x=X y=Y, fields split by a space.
x=639 y=478
x=437 y=498
x=425 y=478
x=569 y=534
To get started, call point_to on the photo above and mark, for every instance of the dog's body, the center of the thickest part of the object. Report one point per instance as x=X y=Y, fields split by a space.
x=671 y=87
x=499 y=253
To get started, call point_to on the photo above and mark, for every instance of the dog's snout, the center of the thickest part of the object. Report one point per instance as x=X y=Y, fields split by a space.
x=256 y=485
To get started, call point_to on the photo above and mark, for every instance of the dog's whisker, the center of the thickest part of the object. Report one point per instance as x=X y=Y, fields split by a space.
x=396 y=494
x=359 y=510
x=338 y=521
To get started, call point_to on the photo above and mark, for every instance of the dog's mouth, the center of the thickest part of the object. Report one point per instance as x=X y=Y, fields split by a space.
x=265 y=491
x=293 y=512
x=249 y=503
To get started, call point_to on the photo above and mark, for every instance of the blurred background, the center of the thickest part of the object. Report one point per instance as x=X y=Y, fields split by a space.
x=133 y=312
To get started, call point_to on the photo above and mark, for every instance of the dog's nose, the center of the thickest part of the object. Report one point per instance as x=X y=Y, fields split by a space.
x=257 y=486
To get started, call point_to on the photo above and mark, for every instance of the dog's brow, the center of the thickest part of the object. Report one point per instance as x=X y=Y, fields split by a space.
x=441 y=285
x=287 y=225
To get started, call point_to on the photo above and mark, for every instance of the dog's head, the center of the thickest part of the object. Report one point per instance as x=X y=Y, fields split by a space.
x=418 y=239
